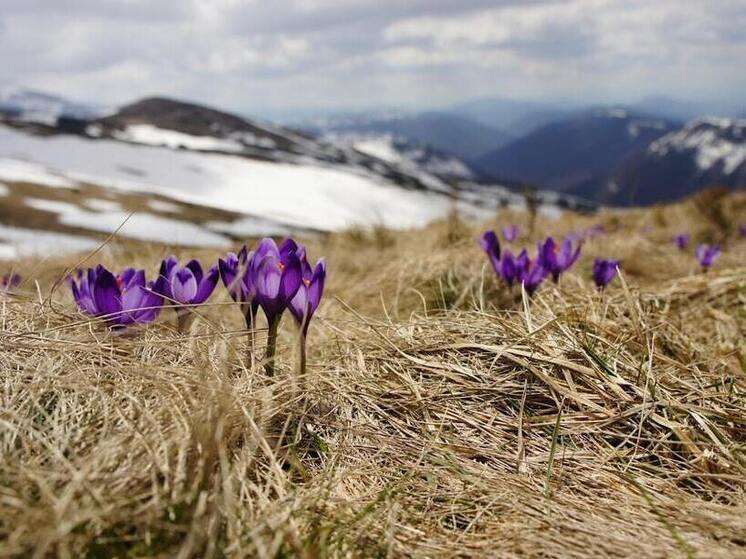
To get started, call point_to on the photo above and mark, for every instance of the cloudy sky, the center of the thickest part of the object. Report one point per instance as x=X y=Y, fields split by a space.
x=254 y=55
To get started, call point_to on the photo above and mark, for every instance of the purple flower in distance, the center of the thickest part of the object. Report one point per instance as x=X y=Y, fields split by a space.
x=707 y=255
x=742 y=229
x=491 y=245
x=558 y=260
x=681 y=240
x=604 y=271
x=510 y=233
x=508 y=268
x=533 y=277
x=276 y=275
x=187 y=285
x=121 y=300
x=309 y=294
x=9 y=282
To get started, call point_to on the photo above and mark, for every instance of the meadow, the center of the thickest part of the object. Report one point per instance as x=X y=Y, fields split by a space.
x=441 y=414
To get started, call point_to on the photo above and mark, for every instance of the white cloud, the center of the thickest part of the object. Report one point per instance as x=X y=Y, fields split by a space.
x=253 y=54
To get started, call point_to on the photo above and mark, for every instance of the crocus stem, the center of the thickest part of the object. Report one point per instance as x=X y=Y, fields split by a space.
x=250 y=338
x=302 y=354
x=269 y=357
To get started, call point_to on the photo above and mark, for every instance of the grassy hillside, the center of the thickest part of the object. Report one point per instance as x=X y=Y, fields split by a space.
x=441 y=414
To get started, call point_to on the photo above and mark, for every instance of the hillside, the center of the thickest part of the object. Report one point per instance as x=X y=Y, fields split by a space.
x=440 y=415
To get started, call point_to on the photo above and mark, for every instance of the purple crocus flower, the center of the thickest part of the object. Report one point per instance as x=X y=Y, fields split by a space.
x=533 y=276
x=604 y=271
x=276 y=275
x=491 y=245
x=681 y=240
x=742 y=229
x=557 y=261
x=234 y=271
x=510 y=233
x=121 y=300
x=307 y=300
x=9 y=282
x=508 y=268
x=529 y=273
x=185 y=286
x=309 y=294
x=513 y=268
x=707 y=255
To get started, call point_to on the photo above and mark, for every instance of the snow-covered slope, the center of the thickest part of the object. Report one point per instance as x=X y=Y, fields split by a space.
x=407 y=155
x=257 y=178
x=706 y=152
x=301 y=195
x=710 y=142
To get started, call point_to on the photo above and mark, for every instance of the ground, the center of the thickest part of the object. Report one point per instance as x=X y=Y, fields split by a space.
x=441 y=415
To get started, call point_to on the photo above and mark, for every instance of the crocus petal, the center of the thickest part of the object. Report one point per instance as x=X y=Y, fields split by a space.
x=196 y=269
x=184 y=286
x=267 y=247
x=316 y=287
x=132 y=293
x=206 y=286
x=149 y=305
x=491 y=245
x=106 y=294
x=298 y=306
x=268 y=277
x=291 y=278
x=126 y=276
x=288 y=246
x=508 y=267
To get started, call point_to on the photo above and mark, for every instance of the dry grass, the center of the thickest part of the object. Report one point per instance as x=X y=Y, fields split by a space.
x=439 y=417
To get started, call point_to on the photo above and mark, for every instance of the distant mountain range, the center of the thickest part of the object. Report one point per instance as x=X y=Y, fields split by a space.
x=452 y=133
x=705 y=152
x=575 y=152
x=622 y=155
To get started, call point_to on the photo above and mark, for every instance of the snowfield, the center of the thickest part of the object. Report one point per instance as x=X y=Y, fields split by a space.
x=297 y=195
x=141 y=226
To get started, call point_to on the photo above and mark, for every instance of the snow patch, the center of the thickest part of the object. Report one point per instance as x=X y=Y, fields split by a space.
x=248 y=227
x=154 y=136
x=16 y=242
x=142 y=226
x=4 y=189
x=99 y=205
x=16 y=170
x=165 y=207
x=712 y=141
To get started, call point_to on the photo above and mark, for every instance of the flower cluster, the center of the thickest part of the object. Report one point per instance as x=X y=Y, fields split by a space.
x=275 y=279
x=704 y=253
x=270 y=277
x=550 y=259
x=121 y=300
